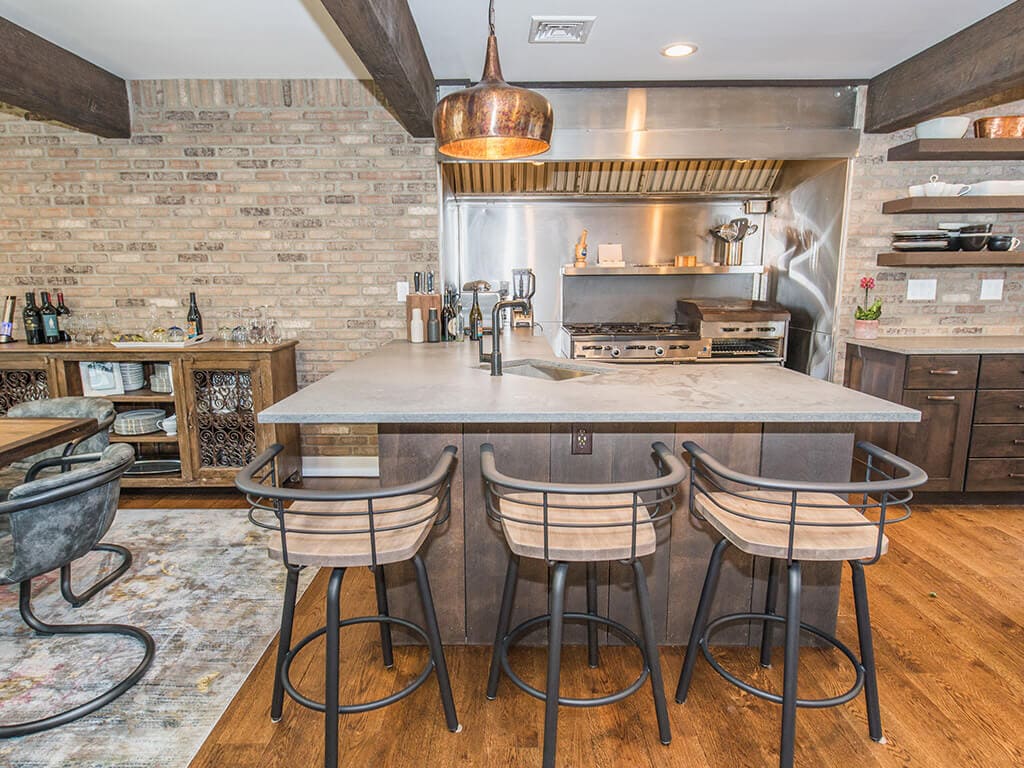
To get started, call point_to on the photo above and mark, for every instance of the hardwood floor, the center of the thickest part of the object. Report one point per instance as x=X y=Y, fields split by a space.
x=948 y=614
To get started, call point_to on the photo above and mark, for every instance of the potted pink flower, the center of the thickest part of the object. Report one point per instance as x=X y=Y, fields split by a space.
x=865 y=323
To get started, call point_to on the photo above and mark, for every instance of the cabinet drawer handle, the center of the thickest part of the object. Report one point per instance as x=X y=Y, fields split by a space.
x=944 y=398
x=1016 y=475
x=1017 y=441
x=1020 y=406
x=944 y=372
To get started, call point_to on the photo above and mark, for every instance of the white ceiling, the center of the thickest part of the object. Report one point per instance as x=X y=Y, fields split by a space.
x=738 y=39
x=144 y=39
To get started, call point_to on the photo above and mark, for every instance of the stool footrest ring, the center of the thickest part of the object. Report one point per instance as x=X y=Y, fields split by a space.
x=368 y=706
x=620 y=629
x=831 y=701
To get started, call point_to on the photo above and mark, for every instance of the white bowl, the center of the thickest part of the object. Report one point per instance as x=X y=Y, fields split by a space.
x=943 y=128
x=998 y=187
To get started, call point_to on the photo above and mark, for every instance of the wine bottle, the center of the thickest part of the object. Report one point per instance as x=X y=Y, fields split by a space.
x=476 y=319
x=33 y=320
x=447 y=313
x=195 y=318
x=48 y=314
x=63 y=311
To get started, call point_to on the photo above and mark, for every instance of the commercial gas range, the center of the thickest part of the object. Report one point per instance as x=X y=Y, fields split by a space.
x=706 y=330
x=636 y=343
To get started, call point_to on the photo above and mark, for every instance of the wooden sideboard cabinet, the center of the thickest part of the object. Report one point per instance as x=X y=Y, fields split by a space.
x=971 y=435
x=218 y=390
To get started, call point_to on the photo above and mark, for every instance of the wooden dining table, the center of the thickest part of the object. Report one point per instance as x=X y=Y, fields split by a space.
x=24 y=437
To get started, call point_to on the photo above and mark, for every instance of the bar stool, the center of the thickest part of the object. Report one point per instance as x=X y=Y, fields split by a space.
x=341 y=530
x=579 y=523
x=793 y=522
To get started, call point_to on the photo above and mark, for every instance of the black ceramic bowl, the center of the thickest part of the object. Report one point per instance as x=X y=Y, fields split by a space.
x=973 y=242
x=974 y=229
x=1000 y=242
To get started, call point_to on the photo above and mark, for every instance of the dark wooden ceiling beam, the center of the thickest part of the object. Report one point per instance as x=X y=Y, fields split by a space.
x=982 y=61
x=47 y=81
x=383 y=34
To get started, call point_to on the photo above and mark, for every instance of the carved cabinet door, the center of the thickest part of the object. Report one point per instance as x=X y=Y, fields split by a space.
x=223 y=396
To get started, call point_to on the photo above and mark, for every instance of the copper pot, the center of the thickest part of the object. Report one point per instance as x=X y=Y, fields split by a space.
x=1008 y=127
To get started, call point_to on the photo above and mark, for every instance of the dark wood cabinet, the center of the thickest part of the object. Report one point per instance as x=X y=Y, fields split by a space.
x=939 y=442
x=941 y=372
x=971 y=435
x=218 y=390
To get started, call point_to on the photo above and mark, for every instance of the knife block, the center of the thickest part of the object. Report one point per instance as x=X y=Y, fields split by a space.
x=426 y=302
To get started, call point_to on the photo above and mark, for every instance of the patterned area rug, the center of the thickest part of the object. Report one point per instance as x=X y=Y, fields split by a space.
x=201 y=584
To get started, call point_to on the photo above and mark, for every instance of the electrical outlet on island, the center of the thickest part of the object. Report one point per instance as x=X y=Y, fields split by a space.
x=582 y=440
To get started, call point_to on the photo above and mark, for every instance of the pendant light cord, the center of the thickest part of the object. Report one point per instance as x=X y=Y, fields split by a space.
x=490 y=17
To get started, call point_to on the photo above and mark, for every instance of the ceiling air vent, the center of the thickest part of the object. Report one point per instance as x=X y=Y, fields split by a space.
x=560 y=29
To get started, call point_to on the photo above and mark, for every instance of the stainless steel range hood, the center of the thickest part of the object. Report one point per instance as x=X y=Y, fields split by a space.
x=689 y=141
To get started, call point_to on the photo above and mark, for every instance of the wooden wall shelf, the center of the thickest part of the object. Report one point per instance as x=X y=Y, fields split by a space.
x=951 y=259
x=959 y=149
x=965 y=204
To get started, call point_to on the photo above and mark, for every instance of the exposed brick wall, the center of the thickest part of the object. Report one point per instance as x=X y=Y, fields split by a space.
x=304 y=195
x=957 y=309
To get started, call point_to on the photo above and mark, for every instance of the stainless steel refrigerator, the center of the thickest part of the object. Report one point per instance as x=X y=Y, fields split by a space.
x=803 y=254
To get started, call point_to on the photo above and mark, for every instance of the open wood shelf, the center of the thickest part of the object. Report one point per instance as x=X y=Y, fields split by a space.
x=964 y=204
x=154 y=437
x=141 y=396
x=959 y=149
x=951 y=259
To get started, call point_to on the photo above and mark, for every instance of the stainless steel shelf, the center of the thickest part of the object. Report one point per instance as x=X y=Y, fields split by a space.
x=633 y=271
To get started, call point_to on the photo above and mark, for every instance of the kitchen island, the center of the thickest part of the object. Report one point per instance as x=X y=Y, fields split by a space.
x=756 y=417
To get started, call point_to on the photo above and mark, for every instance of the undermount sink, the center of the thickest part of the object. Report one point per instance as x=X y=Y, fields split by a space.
x=546 y=371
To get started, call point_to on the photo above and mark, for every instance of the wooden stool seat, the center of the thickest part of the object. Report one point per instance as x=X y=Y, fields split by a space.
x=613 y=540
x=832 y=542
x=341 y=538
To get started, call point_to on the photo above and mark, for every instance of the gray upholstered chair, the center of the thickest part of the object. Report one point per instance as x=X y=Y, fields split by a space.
x=32 y=467
x=44 y=525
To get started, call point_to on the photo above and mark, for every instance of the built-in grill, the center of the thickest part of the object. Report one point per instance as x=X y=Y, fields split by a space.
x=741 y=330
x=636 y=343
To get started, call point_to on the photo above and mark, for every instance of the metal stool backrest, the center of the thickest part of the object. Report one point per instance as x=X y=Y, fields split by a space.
x=258 y=481
x=59 y=518
x=878 y=494
x=68 y=408
x=651 y=501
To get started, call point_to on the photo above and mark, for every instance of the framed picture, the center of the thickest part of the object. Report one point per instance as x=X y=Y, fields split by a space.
x=99 y=379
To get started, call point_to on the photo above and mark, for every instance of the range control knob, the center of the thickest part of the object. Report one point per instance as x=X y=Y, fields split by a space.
x=659 y=351
x=616 y=352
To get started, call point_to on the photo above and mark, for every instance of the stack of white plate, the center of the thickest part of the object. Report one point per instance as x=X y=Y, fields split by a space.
x=160 y=381
x=132 y=376
x=140 y=422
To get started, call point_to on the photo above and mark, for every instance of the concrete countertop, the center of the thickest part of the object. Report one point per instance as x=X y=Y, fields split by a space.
x=423 y=383
x=945 y=345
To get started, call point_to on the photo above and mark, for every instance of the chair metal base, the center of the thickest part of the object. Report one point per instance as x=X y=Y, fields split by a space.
x=555 y=619
x=864 y=667
x=78 y=600
x=592 y=621
x=775 y=698
x=330 y=706
x=75 y=713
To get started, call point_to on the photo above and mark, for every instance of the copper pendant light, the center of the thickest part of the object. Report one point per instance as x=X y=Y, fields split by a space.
x=493 y=120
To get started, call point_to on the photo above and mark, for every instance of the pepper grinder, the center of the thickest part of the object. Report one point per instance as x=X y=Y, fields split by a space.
x=7 y=321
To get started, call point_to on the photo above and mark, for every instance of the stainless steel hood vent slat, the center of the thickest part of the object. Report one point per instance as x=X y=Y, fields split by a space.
x=614 y=177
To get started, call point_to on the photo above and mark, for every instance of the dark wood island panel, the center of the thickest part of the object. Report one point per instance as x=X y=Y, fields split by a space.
x=466 y=557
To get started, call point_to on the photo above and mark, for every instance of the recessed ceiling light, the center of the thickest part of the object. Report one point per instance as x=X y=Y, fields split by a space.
x=677 y=50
